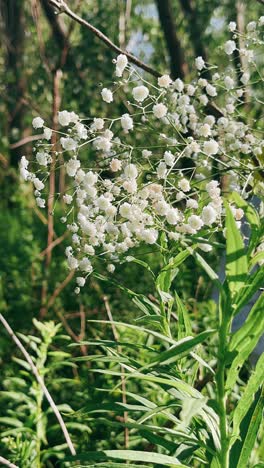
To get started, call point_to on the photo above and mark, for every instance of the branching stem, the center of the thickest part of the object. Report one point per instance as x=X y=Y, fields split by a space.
x=40 y=382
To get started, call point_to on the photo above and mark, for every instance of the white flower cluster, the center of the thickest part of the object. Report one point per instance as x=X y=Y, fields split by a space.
x=149 y=189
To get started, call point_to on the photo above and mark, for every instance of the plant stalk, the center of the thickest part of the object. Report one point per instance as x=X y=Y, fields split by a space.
x=221 y=395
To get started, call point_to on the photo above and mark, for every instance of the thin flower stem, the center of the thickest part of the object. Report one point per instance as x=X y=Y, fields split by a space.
x=41 y=384
x=221 y=396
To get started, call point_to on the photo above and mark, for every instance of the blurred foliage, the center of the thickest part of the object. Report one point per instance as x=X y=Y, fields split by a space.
x=30 y=433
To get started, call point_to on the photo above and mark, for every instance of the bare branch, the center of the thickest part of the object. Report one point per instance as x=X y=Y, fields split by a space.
x=26 y=140
x=5 y=462
x=41 y=384
x=62 y=7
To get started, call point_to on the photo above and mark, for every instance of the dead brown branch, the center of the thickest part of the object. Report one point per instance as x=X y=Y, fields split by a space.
x=62 y=7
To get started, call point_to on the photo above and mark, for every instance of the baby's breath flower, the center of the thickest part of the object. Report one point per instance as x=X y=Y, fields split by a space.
x=160 y=110
x=164 y=81
x=107 y=95
x=140 y=93
x=199 y=63
x=37 y=122
x=121 y=63
x=230 y=47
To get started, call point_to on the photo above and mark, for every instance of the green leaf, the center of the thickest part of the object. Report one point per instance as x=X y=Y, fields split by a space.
x=181 y=348
x=236 y=259
x=184 y=324
x=252 y=432
x=247 y=397
x=245 y=339
x=252 y=218
x=130 y=455
x=253 y=284
x=190 y=408
x=210 y=272
x=178 y=260
x=258 y=257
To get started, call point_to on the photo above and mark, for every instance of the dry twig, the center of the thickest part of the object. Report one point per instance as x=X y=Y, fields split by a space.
x=62 y=7
x=41 y=384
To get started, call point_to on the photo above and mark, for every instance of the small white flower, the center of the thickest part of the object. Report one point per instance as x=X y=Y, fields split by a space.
x=160 y=110
x=68 y=144
x=164 y=81
x=65 y=118
x=146 y=153
x=80 y=281
x=209 y=215
x=229 y=82
x=121 y=63
x=98 y=124
x=90 y=178
x=126 y=122
x=232 y=26
x=162 y=170
x=195 y=222
x=107 y=95
x=71 y=167
x=191 y=203
x=190 y=90
x=205 y=130
x=172 y=216
x=211 y=147
x=115 y=165
x=37 y=122
x=81 y=131
x=131 y=171
x=125 y=210
x=40 y=202
x=230 y=47
x=245 y=78
x=47 y=133
x=211 y=91
x=85 y=265
x=169 y=158
x=72 y=262
x=199 y=63
x=184 y=185
x=203 y=99
x=38 y=184
x=67 y=199
x=178 y=85
x=42 y=158
x=251 y=26
x=110 y=267
x=140 y=93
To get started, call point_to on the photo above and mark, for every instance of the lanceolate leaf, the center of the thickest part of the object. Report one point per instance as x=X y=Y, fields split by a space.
x=208 y=269
x=184 y=324
x=247 y=397
x=252 y=218
x=254 y=282
x=236 y=259
x=245 y=339
x=130 y=455
x=181 y=348
x=252 y=432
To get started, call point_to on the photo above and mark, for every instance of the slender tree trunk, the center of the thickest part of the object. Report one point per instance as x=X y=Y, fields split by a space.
x=195 y=31
x=178 y=65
